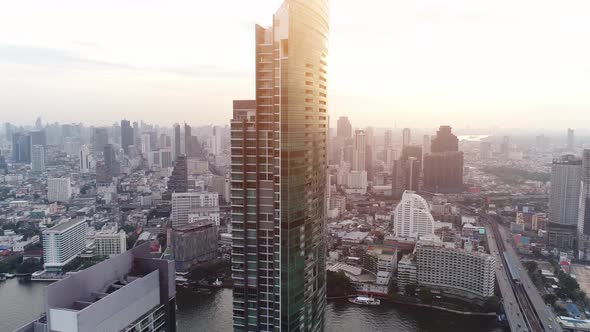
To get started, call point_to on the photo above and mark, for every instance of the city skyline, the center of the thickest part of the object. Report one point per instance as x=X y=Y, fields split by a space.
x=466 y=63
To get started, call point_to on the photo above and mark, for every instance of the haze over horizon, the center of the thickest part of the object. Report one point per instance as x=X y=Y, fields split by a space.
x=465 y=63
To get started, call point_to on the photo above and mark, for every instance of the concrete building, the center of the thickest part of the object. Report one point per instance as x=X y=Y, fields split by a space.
x=194 y=207
x=570 y=139
x=455 y=272
x=126 y=135
x=382 y=262
x=406 y=137
x=110 y=243
x=564 y=201
x=584 y=210
x=343 y=127
x=86 y=160
x=38 y=158
x=192 y=244
x=59 y=190
x=62 y=243
x=222 y=186
x=279 y=162
x=129 y=292
x=412 y=216
x=407 y=272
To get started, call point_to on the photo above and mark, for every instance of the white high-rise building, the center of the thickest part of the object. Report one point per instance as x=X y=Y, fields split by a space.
x=412 y=217
x=37 y=158
x=86 y=160
x=110 y=243
x=194 y=207
x=457 y=272
x=63 y=242
x=145 y=144
x=59 y=190
x=359 y=154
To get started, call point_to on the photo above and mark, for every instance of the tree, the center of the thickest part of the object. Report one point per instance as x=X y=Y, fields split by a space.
x=550 y=298
x=410 y=289
x=29 y=266
x=338 y=284
x=531 y=266
x=491 y=304
x=425 y=295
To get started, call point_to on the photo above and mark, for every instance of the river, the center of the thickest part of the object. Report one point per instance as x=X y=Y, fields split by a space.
x=21 y=302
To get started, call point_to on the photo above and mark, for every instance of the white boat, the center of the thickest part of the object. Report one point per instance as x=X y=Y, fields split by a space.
x=362 y=300
x=9 y=275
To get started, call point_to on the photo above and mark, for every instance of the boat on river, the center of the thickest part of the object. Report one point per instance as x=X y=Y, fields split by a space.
x=363 y=300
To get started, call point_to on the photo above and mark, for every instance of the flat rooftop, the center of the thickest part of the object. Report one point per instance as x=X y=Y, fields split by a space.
x=65 y=225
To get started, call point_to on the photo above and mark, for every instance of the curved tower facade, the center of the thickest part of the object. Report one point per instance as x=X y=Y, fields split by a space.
x=412 y=216
x=279 y=163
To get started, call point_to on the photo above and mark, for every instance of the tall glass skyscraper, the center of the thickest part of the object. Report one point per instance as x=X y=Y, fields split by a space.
x=278 y=144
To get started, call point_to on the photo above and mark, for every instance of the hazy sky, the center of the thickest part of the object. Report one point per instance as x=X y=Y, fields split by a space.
x=522 y=63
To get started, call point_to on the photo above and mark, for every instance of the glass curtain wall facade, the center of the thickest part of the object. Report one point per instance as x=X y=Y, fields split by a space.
x=279 y=181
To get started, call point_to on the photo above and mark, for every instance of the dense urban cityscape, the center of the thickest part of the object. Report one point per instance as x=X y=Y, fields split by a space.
x=287 y=219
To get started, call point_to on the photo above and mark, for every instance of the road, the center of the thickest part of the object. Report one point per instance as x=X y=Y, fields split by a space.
x=515 y=319
x=544 y=313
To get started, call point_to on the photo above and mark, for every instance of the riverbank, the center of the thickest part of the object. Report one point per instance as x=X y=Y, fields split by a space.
x=421 y=305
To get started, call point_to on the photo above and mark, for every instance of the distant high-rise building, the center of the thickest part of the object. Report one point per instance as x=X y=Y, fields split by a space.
x=388 y=140
x=443 y=167
x=570 y=139
x=85 y=159
x=216 y=141
x=146 y=146
x=126 y=135
x=412 y=217
x=343 y=127
x=3 y=164
x=38 y=123
x=444 y=141
x=485 y=150
x=62 y=243
x=584 y=210
x=177 y=142
x=59 y=190
x=130 y=292
x=426 y=146
x=406 y=137
x=38 y=159
x=564 y=200
x=178 y=181
x=407 y=171
x=188 y=140
x=360 y=148
x=21 y=148
x=166 y=158
x=443 y=172
x=222 y=186
x=110 y=159
x=38 y=138
x=101 y=138
x=279 y=177
x=505 y=146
